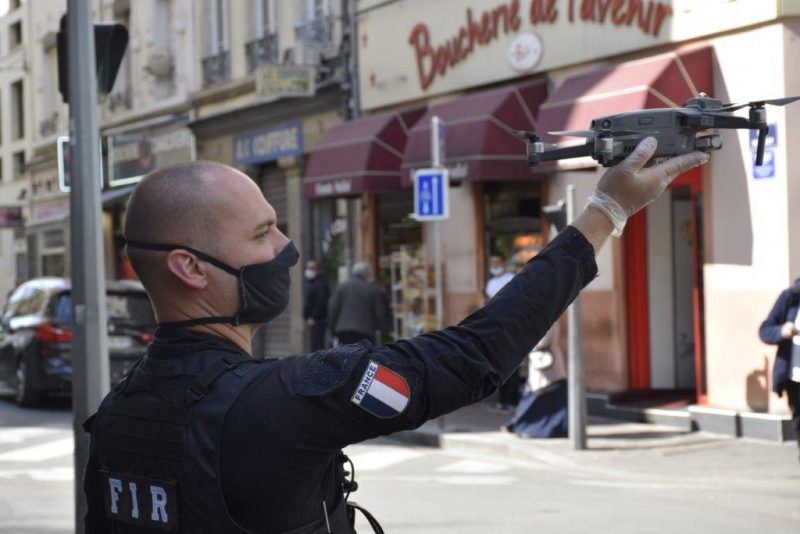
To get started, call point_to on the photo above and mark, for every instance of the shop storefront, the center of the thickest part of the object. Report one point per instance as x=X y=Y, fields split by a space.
x=678 y=302
x=360 y=210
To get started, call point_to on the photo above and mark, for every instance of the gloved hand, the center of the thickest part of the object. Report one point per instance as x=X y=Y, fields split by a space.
x=628 y=187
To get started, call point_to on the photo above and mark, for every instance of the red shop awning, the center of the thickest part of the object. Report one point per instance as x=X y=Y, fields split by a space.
x=666 y=80
x=359 y=156
x=478 y=139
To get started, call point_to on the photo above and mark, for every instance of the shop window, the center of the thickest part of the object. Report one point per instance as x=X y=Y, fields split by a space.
x=21 y=261
x=53 y=264
x=333 y=235
x=513 y=221
x=53 y=239
x=404 y=269
x=14 y=35
x=52 y=253
x=17 y=110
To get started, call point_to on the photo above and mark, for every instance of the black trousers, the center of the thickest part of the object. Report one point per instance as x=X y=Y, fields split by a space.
x=346 y=338
x=317 y=334
x=793 y=398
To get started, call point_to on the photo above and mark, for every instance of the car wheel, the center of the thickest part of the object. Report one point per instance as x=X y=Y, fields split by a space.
x=26 y=393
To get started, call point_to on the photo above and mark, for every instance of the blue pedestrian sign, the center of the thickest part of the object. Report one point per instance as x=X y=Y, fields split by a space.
x=431 y=188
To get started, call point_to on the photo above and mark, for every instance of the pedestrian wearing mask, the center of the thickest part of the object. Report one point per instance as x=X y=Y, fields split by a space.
x=782 y=328
x=202 y=437
x=315 y=306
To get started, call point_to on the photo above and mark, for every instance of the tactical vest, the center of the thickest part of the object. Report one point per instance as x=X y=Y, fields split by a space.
x=157 y=439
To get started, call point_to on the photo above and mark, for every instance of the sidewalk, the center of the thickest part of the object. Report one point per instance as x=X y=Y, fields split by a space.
x=619 y=449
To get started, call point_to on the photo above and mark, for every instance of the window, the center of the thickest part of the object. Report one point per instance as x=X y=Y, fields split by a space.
x=262 y=48
x=14 y=4
x=48 y=121
x=216 y=62
x=216 y=34
x=17 y=110
x=121 y=95
x=317 y=27
x=264 y=17
x=18 y=160
x=14 y=35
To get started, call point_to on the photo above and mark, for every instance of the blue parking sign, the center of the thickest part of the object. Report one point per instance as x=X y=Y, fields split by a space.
x=431 y=194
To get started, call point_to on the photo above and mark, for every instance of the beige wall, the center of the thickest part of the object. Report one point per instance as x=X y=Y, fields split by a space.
x=460 y=254
x=747 y=253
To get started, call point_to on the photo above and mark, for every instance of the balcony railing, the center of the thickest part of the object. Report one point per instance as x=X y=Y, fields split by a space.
x=216 y=69
x=49 y=126
x=318 y=30
x=263 y=51
x=120 y=100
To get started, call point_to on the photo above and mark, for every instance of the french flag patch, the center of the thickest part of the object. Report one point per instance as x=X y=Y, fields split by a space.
x=382 y=392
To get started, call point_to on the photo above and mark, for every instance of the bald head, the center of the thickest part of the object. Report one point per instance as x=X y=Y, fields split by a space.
x=176 y=204
x=182 y=204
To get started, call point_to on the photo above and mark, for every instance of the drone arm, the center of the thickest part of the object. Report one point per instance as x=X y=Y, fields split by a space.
x=560 y=153
x=732 y=121
x=741 y=122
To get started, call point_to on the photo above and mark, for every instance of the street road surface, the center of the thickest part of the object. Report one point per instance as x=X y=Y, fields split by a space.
x=713 y=485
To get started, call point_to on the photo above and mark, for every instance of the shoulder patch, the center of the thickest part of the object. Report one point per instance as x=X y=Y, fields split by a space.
x=381 y=392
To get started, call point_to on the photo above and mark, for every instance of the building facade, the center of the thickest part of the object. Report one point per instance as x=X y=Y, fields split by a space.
x=677 y=306
x=252 y=84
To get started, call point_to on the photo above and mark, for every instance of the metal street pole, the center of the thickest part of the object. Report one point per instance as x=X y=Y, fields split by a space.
x=90 y=375
x=437 y=156
x=437 y=149
x=576 y=384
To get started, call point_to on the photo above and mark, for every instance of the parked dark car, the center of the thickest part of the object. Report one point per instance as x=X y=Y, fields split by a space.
x=36 y=337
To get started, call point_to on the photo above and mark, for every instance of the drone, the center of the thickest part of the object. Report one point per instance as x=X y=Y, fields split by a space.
x=613 y=137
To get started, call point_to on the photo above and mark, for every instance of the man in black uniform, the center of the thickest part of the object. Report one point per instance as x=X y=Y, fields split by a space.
x=201 y=437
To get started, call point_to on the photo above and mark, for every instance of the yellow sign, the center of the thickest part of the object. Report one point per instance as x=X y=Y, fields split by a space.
x=278 y=81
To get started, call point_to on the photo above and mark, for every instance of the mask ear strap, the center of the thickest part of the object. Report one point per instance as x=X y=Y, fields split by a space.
x=233 y=319
x=167 y=247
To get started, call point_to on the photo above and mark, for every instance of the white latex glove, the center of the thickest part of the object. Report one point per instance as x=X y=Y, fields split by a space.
x=628 y=186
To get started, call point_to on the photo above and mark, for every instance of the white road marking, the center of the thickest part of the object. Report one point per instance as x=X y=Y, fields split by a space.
x=473 y=467
x=22 y=433
x=55 y=474
x=39 y=453
x=455 y=480
x=376 y=460
x=631 y=484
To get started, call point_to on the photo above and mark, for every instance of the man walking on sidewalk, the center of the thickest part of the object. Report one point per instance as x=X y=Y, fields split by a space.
x=356 y=311
x=782 y=328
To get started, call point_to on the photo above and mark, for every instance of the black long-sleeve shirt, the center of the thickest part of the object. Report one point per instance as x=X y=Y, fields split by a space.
x=280 y=439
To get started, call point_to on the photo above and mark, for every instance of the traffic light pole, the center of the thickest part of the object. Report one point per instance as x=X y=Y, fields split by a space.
x=90 y=373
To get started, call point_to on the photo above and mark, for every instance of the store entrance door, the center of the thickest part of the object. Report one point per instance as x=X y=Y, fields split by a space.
x=664 y=296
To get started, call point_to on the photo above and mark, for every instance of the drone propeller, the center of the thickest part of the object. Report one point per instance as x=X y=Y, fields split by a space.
x=761 y=103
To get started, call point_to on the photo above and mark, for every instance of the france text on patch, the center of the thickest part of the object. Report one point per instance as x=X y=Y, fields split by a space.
x=382 y=392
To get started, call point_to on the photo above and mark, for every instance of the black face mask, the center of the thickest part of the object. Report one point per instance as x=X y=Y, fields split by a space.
x=263 y=287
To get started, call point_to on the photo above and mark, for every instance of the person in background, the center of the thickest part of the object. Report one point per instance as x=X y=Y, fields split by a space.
x=315 y=306
x=508 y=394
x=782 y=328
x=500 y=276
x=356 y=311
